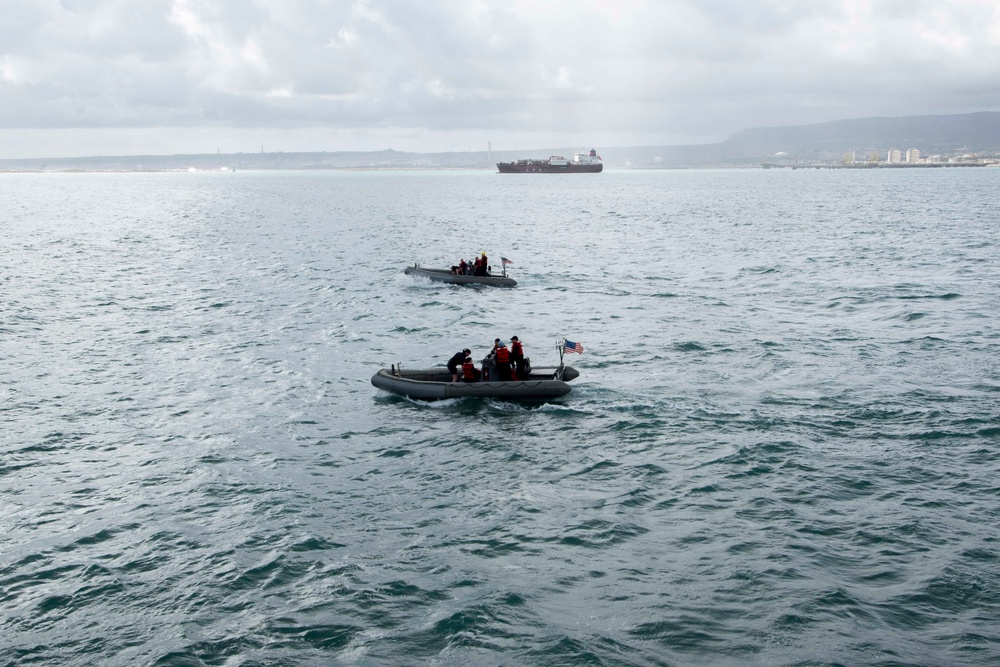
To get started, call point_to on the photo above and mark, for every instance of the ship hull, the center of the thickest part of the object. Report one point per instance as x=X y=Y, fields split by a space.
x=529 y=167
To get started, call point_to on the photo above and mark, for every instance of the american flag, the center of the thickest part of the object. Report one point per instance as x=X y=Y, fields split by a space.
x=570 y=346
x=505 y=261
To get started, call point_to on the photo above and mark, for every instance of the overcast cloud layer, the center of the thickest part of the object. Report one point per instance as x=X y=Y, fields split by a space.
x=109 y=77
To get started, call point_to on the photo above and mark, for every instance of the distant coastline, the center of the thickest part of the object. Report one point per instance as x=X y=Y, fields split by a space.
x=222 y=170
x=944 y=140
x=885 y=165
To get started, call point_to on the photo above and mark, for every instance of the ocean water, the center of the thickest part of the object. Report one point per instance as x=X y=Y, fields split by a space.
x=783 y=447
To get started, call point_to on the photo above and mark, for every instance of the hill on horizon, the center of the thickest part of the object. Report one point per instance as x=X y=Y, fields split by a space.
x=928 y=133
x=940 y=134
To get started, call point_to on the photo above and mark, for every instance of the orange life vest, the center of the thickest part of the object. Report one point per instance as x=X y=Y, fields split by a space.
x=469 y=370
x=503 y=355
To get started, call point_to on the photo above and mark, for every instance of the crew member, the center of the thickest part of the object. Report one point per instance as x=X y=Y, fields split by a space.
x=457 y=360
x=469 y=371
x=517 y=356
x=503 y=362
x=490 y=362
x=483 y=265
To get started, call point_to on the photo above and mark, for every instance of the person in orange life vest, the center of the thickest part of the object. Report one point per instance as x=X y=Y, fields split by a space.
x=483 y=265
x=453 y=363
x=461 y=267
x=469 y=371
x=517 y=356
x=503 y=362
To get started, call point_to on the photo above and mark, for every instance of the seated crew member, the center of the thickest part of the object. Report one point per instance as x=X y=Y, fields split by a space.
x=503 y=363
x=517 y=356
x=461 y=267
x=456 y=360
x=469 y=371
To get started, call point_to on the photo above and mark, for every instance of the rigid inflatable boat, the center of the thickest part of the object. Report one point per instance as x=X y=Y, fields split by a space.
x=435 y=383
x=446 y=276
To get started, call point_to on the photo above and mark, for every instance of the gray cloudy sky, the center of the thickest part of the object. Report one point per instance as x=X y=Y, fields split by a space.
x=111 y=77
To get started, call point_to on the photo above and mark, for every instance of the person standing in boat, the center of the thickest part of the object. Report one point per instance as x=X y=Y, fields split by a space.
x=490 y=362
x=469 y=371
x=484 y=264
x=462 y=267
x=457 y=360
x=503 y=362
x=517 y=357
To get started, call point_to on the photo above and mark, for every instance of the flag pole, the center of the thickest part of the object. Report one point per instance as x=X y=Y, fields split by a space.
x=562 y=348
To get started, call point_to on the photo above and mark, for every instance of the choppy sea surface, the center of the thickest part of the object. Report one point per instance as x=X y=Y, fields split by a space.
x=783 y=447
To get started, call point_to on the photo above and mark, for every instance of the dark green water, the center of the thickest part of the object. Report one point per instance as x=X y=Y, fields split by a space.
x=783 y=448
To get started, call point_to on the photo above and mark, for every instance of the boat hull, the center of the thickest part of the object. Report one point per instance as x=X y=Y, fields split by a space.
x=446 y=276
x=432 y=384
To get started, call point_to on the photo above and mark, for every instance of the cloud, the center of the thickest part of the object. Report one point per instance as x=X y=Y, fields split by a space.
x=642 y=71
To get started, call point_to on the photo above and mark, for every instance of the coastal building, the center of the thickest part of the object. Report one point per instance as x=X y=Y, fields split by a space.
x=895 y=156
x=913 y=155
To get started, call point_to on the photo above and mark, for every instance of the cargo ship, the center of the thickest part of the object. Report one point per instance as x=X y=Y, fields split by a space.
x=582 y=163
